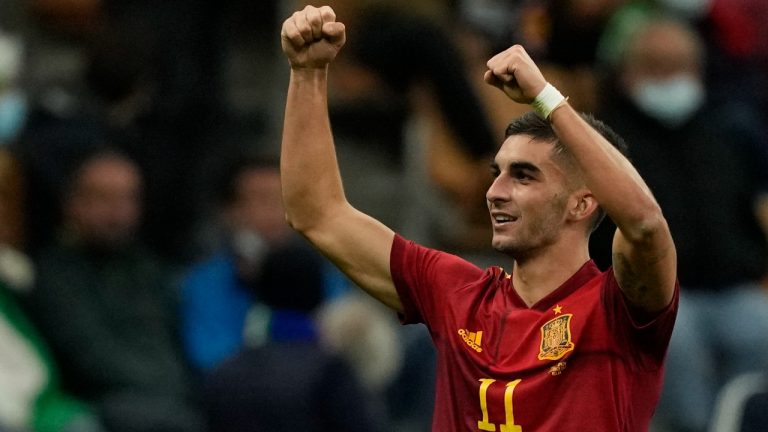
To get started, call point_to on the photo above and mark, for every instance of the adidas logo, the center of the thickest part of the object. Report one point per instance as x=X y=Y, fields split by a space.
x=473 y=339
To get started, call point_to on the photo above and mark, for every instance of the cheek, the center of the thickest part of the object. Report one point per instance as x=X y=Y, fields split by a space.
x=546 y=211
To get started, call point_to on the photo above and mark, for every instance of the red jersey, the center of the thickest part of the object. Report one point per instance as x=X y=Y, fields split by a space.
x=574 y=361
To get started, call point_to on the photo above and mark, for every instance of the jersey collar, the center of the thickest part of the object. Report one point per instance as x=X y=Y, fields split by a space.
x=587 y=272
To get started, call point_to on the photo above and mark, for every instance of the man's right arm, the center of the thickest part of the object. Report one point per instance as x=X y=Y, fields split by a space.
x=313 y=194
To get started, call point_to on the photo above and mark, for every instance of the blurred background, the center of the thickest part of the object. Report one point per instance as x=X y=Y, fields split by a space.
x=148 y=281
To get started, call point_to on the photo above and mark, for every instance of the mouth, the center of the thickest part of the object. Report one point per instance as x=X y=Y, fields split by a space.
x=500 y=219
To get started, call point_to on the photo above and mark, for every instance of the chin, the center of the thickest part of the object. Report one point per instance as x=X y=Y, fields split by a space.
x=511 y=247
x=503 y=245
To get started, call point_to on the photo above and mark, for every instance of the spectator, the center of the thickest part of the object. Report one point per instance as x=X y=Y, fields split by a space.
x=120 y=104
x=215 y=295
x=705 y=165
x=733 y=38
x=106 y=305
x=217 y=303
x=290 y=383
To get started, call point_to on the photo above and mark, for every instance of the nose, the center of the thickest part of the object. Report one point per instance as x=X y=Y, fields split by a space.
x=496 y=192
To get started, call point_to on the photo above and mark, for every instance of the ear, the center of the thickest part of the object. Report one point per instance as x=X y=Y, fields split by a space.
x=583 y=205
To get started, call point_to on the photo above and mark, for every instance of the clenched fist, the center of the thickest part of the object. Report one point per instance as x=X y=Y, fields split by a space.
x=515 y=74
x=311 y=38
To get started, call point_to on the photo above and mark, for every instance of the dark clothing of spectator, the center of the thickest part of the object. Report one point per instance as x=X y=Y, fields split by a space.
x=110 y=318
x=288 y=386
x=705 y=175
x=288 y=382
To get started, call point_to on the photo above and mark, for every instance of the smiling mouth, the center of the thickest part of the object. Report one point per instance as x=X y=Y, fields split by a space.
x=503 y=219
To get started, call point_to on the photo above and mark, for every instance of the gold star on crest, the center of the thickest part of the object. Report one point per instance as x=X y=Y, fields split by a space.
x=557 y=309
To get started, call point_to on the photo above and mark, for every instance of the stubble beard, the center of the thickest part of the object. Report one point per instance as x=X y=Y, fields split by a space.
x=531 y=240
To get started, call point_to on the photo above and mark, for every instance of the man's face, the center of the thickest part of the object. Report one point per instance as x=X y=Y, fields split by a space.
x=104 y=207
x=527 y=200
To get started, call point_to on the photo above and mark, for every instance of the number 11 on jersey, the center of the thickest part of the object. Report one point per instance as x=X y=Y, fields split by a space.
x=485 y=424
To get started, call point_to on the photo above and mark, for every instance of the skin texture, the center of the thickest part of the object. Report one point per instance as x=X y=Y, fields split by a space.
x=533 y=193
x=548 y=241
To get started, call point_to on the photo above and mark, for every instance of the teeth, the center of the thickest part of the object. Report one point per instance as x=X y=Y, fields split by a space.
x=501 y=218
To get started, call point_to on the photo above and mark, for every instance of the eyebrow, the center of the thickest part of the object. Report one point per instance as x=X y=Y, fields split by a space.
x=518 y=166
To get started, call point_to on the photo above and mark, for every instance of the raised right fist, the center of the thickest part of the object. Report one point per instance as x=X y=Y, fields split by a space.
x=311 y=38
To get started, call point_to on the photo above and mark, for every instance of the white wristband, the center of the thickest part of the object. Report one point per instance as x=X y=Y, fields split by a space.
x=547 y=101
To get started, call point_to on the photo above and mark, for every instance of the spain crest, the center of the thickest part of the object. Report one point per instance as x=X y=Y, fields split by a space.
x=556 y=338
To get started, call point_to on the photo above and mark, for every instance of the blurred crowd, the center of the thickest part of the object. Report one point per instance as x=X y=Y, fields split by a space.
x=149 y=282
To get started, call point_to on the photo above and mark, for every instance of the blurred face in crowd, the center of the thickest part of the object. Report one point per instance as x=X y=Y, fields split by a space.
x=256 y=219
x=104 y=205
x=662 y=71
x=258 y=205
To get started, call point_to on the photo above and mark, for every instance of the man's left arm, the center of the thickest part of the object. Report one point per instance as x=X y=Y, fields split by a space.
x=644 y=256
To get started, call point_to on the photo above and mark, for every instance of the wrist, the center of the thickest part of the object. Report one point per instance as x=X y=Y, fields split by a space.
x=307 y=72
x=309 y=78
x=547 y=101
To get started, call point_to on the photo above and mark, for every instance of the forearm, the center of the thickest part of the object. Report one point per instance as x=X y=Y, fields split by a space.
x=311 y=181
x=609 y=175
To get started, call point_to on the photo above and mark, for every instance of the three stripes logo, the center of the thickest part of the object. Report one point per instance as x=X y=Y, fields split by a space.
x=473 y=339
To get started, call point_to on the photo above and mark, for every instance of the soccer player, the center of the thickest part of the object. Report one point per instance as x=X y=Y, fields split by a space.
x=554 y=344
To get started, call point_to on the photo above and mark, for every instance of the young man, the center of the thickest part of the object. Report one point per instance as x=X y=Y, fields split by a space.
x=553 y=345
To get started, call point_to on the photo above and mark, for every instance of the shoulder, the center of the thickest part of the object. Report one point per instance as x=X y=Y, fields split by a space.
x=407 y=253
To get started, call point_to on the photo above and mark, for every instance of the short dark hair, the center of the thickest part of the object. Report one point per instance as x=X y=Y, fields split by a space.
x=226 y=188
x=532 y=125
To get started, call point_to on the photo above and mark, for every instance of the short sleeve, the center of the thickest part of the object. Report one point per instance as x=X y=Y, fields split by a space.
x=648 y=336
x=425 y=278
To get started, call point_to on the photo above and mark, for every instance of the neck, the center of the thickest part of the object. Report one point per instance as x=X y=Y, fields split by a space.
x=536 y=276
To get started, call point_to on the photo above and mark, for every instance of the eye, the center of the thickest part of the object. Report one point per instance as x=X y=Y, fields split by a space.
x=495 y=170
x=522 y=176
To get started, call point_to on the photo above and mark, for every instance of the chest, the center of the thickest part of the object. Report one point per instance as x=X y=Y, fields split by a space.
x=494 y=335
x=517 y=366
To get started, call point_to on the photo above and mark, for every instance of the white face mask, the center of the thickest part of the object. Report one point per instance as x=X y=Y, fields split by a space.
x=671 y=101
